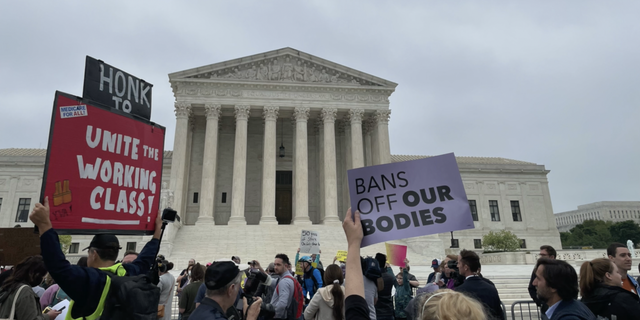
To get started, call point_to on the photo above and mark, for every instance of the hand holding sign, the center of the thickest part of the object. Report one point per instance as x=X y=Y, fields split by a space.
x=410 y=199
x=40 y=216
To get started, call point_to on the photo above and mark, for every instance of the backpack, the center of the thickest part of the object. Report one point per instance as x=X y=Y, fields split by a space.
x=60 y=295
x=371 y=268
x=131 y=297
x=315 y=282
x=294 y=311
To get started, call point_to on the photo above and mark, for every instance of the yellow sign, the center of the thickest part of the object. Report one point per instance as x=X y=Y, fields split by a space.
x=299 y=270
x=341 y=256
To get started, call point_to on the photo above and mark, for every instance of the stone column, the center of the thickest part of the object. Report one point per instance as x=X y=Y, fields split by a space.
x=320 y=134
x=270 y=115
x=301 y=168
x=375 y=146
x=382 y=132
x=209 y=164
x=239 y=167
x=357 y=150
x=367 y=125
x=330 y=181
x=179 y=159
x=293 y=172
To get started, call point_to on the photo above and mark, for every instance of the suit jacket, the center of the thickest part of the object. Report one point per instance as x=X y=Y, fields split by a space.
x=484 y=291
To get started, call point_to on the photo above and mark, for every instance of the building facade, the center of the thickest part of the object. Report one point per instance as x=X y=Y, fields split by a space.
x=262 y=147
x=615 y=211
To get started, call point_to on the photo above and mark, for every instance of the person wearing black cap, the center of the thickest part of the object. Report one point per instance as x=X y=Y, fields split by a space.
x=222 y=280
x=89 y=286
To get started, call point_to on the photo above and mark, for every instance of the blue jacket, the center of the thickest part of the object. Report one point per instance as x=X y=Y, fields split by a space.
x=309 y=282
x=83 y=284
x=572 y=310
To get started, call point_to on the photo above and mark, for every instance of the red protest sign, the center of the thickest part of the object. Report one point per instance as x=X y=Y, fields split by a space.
x=103 y=170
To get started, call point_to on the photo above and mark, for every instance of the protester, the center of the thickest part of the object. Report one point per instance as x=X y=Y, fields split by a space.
x=183 y=280
x=17 y=288
x=166 y=285
x=356 y=307
x=556 y=283
x=315 y=258
x=384 y=306
x=413 y=281
x=222 y=280
x=476 y=286
x=283 y=294
x=187 y=302
x=602 y=292
x=370 y=288
x=85 y=285
x=620 y=255
x=448 y=304
x=328 y=303
x=549 y=252
x=312 y=279
x=435 y=265
x=448 y=277
x=129 y=256
x=403 y=292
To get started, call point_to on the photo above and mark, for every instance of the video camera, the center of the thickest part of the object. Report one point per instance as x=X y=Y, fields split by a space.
x=255 y=279
x=455 y=275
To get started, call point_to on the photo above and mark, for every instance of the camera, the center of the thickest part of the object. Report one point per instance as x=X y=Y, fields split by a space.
x=255 y=279
x=170 y=215
x=455 y=275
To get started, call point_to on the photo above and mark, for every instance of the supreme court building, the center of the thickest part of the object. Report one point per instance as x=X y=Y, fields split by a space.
x=261 y=151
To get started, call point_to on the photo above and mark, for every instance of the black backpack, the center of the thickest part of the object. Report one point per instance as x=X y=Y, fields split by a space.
x=131 y=297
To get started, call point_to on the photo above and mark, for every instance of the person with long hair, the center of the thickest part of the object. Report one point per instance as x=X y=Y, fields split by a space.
x=602 y=292
x=328 y=302
x=187 y=302
x=17 y=289
x=447 y=304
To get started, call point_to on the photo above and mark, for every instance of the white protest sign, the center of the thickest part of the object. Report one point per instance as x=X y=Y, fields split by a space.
x=309 y=242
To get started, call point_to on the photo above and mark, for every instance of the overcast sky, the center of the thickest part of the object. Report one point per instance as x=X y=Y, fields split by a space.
x=555 y=83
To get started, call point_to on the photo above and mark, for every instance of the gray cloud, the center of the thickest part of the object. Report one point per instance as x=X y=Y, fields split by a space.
x=546 y=82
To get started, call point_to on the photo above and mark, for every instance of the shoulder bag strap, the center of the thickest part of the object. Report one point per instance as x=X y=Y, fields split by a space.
x=15 y=298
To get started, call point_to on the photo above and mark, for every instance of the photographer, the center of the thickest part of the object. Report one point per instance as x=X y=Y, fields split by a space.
x=86 y=285
x=449 y=275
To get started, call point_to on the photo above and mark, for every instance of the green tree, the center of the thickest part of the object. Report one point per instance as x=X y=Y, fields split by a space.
x=500 y=241
x=589 y=233
x=625 y=230
x=65 y=243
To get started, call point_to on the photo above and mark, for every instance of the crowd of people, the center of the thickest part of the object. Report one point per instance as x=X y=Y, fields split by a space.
x=100 y=287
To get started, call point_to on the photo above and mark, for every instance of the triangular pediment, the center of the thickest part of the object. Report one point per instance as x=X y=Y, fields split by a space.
x=283 y=66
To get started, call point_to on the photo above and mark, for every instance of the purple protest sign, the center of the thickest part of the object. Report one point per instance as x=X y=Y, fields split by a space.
x=409 y=199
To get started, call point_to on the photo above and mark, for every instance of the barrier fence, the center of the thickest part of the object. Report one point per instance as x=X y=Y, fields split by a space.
x=525 y=309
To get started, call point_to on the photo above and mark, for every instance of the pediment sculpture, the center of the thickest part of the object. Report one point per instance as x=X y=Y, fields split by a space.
x=285 y=68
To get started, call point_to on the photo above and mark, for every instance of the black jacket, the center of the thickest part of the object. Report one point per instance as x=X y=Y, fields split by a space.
x=606 y=301
x=484 y=291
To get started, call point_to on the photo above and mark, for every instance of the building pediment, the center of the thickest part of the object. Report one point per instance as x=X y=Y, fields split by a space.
x=283 y=66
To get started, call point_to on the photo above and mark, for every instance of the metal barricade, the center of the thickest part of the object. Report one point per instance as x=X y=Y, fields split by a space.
x=525 y=309
x=504 y=310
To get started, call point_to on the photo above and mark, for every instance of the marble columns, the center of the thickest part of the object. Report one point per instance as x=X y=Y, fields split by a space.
x=382 y=133
x=270 y=114
x=178 y=163
x=239 y=167
x=301 y=168
x=209 y=164
x=357 y=150
x=330 y=180
x=367 y=125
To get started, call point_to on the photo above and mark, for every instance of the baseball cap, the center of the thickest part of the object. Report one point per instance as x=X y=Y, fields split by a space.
x=435 y=263
x=219 y=274
x=104 y=241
